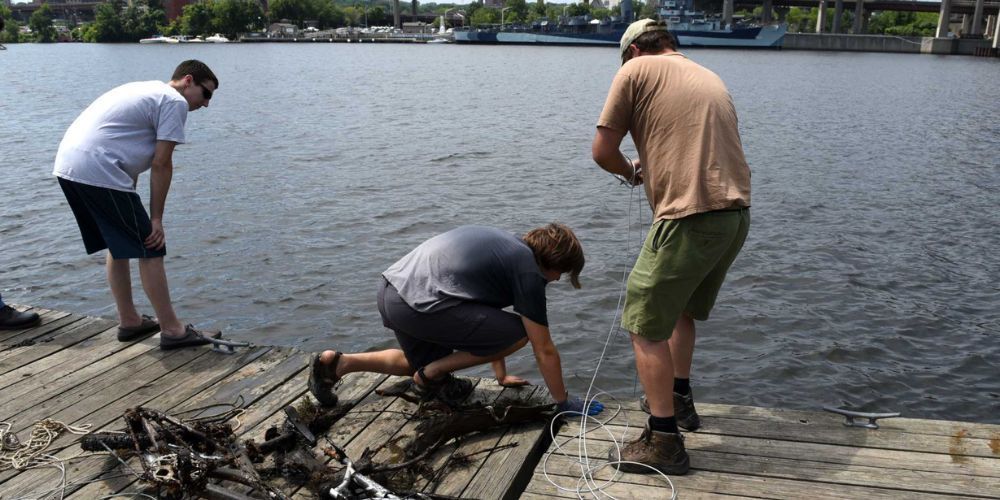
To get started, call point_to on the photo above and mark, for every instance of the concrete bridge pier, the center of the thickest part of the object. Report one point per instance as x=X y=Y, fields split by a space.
x=838 y=13
x=727 y=12
x=944 y=16
x=977 y=19
x=766 y=14
x=990 y=21
x=395 y=14
x=966 y=24
x=859 y=17
x=821 y=18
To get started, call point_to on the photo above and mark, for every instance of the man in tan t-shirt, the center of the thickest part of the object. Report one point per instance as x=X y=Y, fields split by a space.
x=683 y=123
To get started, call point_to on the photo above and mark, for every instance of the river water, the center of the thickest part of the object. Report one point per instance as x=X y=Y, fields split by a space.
x=869 y=279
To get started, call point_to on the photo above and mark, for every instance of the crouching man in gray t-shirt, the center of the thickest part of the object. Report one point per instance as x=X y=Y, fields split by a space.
x=444 y=301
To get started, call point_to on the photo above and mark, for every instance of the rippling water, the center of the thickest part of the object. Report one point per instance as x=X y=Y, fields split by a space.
x=870 y=277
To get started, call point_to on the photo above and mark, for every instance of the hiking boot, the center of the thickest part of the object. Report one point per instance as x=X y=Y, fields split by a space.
x=450 y=390
x=684 y=411
x=663 y=451
x=12 y=319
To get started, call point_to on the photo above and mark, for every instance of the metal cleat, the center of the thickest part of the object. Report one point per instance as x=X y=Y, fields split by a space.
x=851 y=415
x=223 y=346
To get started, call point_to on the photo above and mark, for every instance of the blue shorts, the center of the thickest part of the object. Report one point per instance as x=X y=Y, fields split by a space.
x=470 y=327
x=110 y=219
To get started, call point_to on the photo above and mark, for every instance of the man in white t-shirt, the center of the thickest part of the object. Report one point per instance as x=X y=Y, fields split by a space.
x=125 y=132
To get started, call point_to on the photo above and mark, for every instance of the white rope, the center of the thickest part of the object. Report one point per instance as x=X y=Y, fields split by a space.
x=18 y=456
x=587 y=483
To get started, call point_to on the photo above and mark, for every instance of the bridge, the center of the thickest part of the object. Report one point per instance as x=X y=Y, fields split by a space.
x=972 y=11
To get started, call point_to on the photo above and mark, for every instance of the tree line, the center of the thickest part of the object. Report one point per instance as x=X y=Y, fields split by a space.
x=121 y=21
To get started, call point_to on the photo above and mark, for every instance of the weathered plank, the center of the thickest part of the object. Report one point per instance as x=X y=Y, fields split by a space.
x=478 y=447
x=952 y=438
x=505 y=471
x=116 y=381
x=643 y=487
x=70 y=367
x=51 y=322
x=52 y=342
x=705 y=457
x=46 y=317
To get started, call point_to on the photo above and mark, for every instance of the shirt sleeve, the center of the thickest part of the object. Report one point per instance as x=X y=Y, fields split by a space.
x=170 y=122
x=617 y=113
x=529 y=297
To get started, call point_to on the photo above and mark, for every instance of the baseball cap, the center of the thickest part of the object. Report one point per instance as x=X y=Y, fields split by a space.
x=636 y=29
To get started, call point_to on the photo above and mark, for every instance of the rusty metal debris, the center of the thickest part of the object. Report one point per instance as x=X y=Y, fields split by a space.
x=204 y=458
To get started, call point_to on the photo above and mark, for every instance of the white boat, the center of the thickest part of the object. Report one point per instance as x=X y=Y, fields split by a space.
x=217 y=38
x=158 y=39
x=439 y=40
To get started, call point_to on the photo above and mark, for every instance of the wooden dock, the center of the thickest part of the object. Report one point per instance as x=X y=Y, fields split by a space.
x=72 y=369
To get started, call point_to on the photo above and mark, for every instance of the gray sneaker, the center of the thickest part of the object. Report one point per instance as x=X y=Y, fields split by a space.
x=684 y=411
x=662 y=450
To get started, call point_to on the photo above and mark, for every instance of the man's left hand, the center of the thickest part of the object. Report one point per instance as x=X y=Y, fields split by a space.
x=156 y=239
x=512 y=381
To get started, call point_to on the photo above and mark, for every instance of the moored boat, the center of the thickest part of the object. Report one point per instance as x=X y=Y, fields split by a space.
x=691 y=28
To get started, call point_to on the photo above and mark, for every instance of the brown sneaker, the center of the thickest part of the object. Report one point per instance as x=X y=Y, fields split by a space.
x=662 y=450
x=687 y=416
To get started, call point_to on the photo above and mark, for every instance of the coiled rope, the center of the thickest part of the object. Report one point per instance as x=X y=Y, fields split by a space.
x=20 y=456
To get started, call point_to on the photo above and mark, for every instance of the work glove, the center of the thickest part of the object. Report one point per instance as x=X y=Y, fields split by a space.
x=575 y=405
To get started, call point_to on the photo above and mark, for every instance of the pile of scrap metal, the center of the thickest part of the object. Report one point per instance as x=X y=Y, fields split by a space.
x=203 y=457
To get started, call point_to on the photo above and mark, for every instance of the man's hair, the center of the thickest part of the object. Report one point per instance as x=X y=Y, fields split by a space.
x=197 y=69
x=655 y=41
x=557 y=249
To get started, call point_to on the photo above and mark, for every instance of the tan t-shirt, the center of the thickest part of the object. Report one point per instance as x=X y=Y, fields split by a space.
x=684 y=125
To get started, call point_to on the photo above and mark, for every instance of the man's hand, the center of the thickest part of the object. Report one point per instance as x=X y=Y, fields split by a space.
x=512 y=381
x=575 y=405
x=156 y=239
x=637 y=176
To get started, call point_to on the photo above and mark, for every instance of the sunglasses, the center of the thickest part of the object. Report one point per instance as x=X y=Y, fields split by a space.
x=207 y=94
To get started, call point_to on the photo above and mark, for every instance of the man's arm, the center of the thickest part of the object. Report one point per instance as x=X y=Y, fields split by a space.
x=159 y=184
x=547 y=357
x=606 y=152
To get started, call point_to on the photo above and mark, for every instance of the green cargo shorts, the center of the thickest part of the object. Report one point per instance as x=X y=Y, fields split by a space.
x=680 y=269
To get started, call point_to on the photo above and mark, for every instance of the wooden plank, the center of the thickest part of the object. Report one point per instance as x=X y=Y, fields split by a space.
x=957 y=439
x=50 y=322
x=458 y=476
x=87 y=396
x=832 y=454
x=643 y=487
x=45 y=316
x=505 y=471
x=823 y=418
x=68 y=368
x=704 y=457
x=170 y=389
x=357 y=425
x=52 y=343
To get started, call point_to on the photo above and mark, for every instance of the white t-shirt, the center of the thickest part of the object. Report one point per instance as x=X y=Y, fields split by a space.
x=114 y=139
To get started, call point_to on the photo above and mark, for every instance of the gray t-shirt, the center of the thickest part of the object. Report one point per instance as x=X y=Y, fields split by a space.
x=471 y=263
x=114 y=139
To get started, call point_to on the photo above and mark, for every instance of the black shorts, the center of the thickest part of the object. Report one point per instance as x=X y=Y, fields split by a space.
x=110 y=219
x=469 y=327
